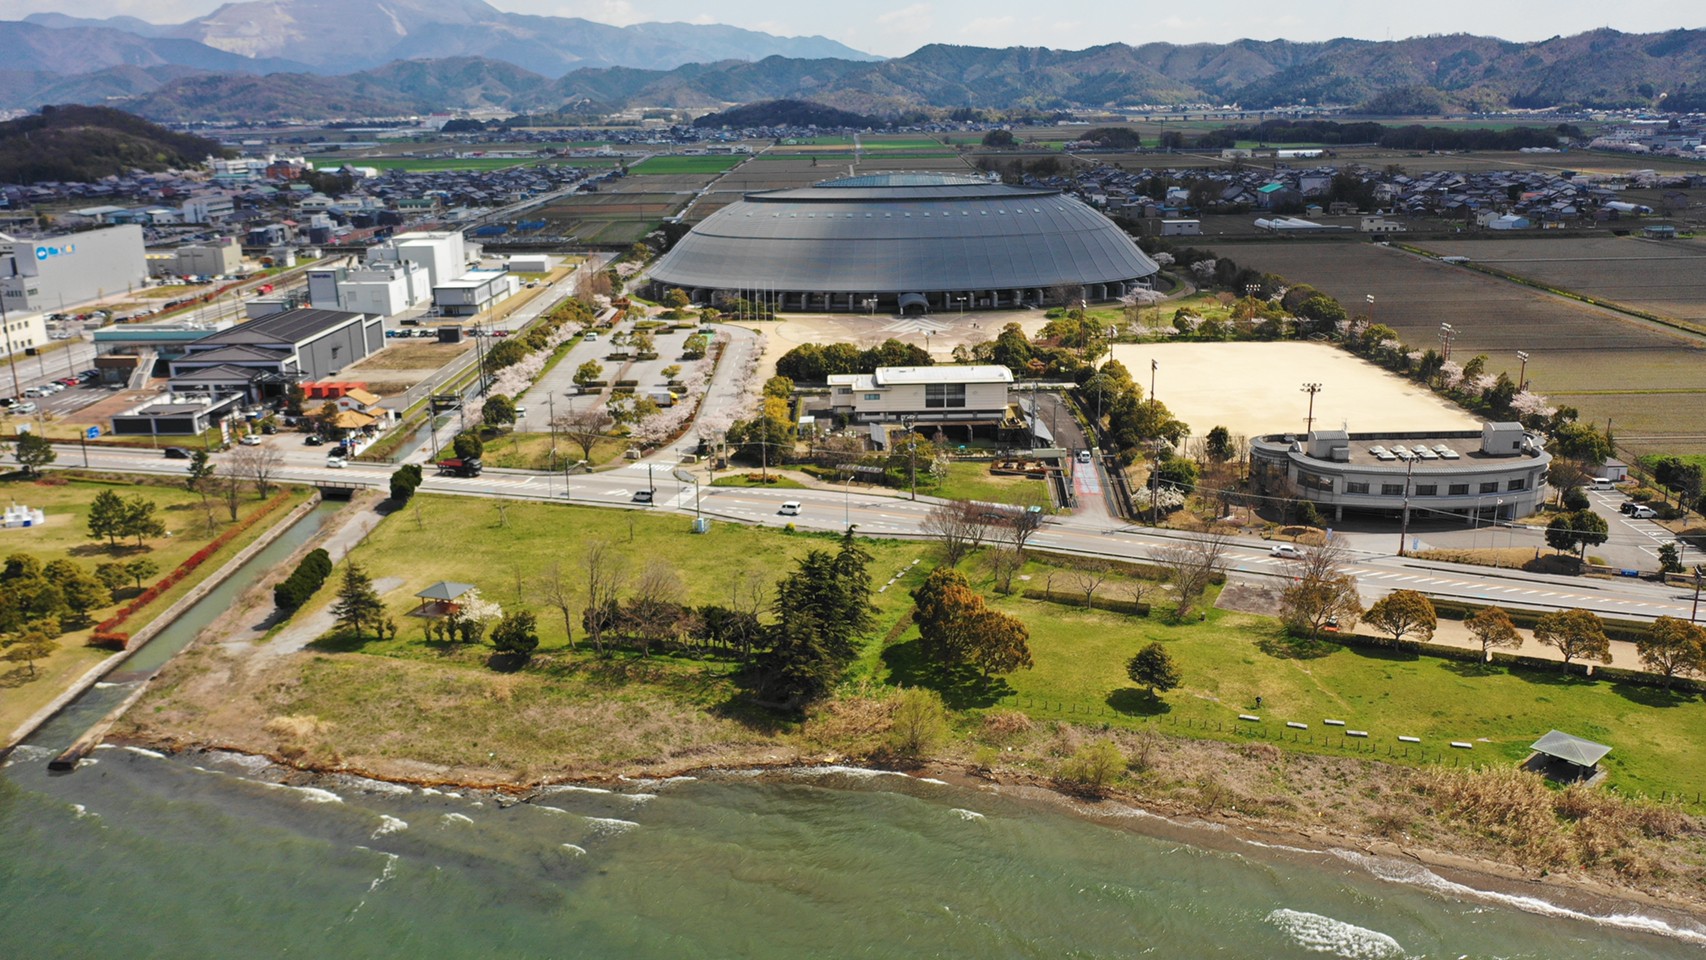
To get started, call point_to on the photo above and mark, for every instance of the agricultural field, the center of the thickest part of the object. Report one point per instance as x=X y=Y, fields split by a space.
x=1650 y=381
x=666 y=166
x=441 y=164
x=1666 y=278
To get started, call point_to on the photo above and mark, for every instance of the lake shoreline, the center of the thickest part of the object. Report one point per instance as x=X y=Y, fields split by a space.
x=1380 y=859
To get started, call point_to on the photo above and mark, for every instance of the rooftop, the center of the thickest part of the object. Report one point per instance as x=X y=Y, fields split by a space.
x=980 y=373
x=291 y=326
x=1582 y=753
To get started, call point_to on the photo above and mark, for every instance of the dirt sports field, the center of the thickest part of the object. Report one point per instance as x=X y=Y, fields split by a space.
x=1663 y=277
x=1257 y=388
x=1649 y=381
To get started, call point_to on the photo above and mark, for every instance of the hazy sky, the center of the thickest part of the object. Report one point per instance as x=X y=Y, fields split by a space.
x=896 y=27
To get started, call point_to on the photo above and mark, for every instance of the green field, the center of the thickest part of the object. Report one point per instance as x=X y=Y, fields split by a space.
x=668 y=166
x=438 y=164
x=66 y=534
x=973 y=481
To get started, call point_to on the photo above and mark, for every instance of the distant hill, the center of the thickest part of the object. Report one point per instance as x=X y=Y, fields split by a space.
x=785 y=113
x=88 y=143
x=503 y=69
x=338 y=36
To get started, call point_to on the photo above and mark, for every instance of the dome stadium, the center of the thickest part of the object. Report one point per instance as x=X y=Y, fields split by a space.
x=905 y=243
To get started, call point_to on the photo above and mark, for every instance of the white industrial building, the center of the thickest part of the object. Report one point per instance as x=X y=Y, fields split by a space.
x=378 y=287
x=20 y=332
x=220 y=256
x=445 y=255
x=210 y=208
x=63 y=271
x=954 y=394
x=474 y=292
x=532 y=263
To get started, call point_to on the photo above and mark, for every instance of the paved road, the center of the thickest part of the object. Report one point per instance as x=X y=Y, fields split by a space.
x=875 y=515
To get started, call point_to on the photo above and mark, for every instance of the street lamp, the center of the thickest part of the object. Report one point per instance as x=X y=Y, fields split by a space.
x=912 y=453
x=1699 y=572
x=1370 y=298
x=847 y=500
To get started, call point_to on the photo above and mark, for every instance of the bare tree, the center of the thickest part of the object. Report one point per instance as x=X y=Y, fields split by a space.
x=1088 y=576
x=1321 y=594
x=552 y=586
x=654 y=611
x=233 y=488
x=606 y=571
x=1019 y=525
x=1003 y=563
x=749 y=595
x=257 y=464
x=959 y=526
x=585 y=427
x=1192 y=565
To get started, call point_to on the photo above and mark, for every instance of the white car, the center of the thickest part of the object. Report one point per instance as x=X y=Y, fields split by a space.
x=1287 y=551
x=1083 y=456
x=337 y=462
x=791 y=508
x=250 y=440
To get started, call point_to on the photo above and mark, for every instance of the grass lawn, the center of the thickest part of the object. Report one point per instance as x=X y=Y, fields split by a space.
x=669 y=166
x=973 y=481
x=66 y=534
x=532 y=451
x=1231 y=658
x=745 y=480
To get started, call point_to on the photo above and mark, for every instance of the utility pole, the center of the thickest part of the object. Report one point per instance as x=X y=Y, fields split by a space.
x=1447 y=333
x=1404 y=527
x=1699 y=572
x=1309 y=421
x=912 y=453
x=1154 y=365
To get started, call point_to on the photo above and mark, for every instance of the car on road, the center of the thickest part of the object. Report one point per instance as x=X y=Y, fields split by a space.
x=1643 y=512
x=1083 y=456
x=337 y=463
x=592 y=337
x=1627 y=507
x=643 y=496
x=312 y=440
x=36 y=391
x=250 y=440
x=1286 y=551
x=177 y=453
x=790 y=509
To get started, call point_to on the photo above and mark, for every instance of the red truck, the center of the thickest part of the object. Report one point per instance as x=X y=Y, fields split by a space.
x=264 y=288
x=458 y=467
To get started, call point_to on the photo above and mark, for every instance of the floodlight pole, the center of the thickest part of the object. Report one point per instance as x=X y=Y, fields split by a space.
x=1309 y=421
x=1404 y=527
x=1522 y=377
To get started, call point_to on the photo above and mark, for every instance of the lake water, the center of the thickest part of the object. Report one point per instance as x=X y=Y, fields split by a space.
x=137 y=855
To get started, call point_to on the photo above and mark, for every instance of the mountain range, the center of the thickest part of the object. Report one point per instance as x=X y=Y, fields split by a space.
x=272 y=59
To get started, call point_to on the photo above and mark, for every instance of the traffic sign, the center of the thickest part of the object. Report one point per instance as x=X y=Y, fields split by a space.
x=93 y=432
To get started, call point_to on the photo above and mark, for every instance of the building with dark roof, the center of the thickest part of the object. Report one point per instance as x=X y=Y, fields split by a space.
x=907 y=243
x=285 y=347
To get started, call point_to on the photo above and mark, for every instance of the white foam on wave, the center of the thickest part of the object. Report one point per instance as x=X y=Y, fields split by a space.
x=541 y=806
x=145 y=752
x=862 y=773
x=87 y=762
x=939 y=783
x=610 y=826
x=104 y=685
x=1396 y=871
x=106 y=746
x=25 y=753
x=572 y=788
x=1320 y=934
x=647 y=783
x=457 y=818
x=83 y=812
x=1278 y=846
x=385 y=874
x=575 y=850
x=374 y=786
x=388 y=825
x=247 y=761
x=430 y=792
x=316 y=795
x=641 y=797
x=967 y=814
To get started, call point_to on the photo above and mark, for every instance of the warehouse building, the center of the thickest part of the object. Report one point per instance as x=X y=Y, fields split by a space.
x=905 y=243
x=64 y=271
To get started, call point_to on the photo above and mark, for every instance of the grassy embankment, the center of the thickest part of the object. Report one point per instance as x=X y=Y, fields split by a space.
x=675 y=707
x=66 y=535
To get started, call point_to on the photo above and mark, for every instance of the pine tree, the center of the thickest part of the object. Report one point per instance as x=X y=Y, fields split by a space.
x=106 y=516
x=358 y=603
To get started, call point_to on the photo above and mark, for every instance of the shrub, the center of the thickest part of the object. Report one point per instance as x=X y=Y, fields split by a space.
x=302 y=583
x=1094 y=766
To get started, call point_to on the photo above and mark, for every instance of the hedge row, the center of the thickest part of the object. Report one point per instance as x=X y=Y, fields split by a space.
x=108 y=634
x=404 y=481
x=1128 y=607
x=303 y=581
x=1469 y=655
x=1628 y=630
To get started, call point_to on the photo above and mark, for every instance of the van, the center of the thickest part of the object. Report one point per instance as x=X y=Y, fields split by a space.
x=1601 y=483
x=791 y=508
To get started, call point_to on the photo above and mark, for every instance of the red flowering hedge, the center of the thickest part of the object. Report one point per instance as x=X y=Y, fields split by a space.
x=107 y=633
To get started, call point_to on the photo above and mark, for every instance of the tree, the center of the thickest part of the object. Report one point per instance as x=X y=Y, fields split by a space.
x=1671 y=647
x=585 y=428
x=1153 y=667
x=996 y=643
x=257 y=464
x=200 y=472
x=405 y=480
x=654 y=611
x=498 y=410
x=32 y=646
x=822 y=607
x=1087 y=576
x=473 y=613
x=606 y=571
x=1403 y=612
x=1577 y=441
x=83 y=591
x=695 y=347
x=468 y=446
x=1003 y=564
x=1670 y=558
x=1218 y=445
x=1575 y=634
x=1192 y=564
x=588 y=373
x=958 y=526
x=112 y=575
x=942 y=605
x=677 y=301
x=106 y=516
x=516 y=634
x=1321 y=595
x=553 y=587
x=1094 y=766
x=141 y=569
x=33 y=452
x=919 y=722
x=1492 y=627
x=1582 y=528
x=358 y=604
x=138 y=519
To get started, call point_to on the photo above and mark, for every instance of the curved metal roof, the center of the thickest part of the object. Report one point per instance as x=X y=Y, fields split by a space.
x=903 y=233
